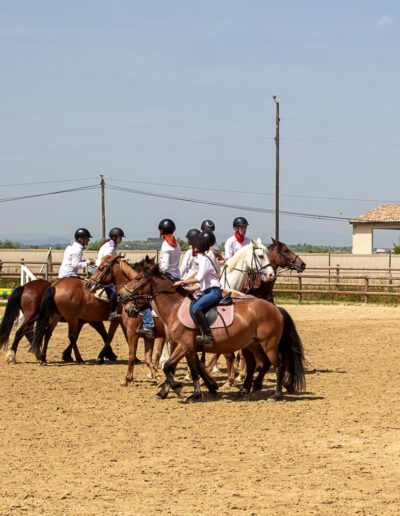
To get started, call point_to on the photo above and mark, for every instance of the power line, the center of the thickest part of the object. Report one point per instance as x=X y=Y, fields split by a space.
x=226 y=205
x=47 y=182
x=347 y=142
x=226 y=190
x=341 y=122
x=21 y=197
x=127 y=127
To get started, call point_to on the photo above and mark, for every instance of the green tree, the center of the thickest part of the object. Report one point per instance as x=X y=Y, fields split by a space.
x=396 y=248
x=9 y=244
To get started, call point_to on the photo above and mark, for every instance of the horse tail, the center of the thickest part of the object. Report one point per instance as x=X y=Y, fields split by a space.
x=47 y=309
x=292 y=357
x=12 y=310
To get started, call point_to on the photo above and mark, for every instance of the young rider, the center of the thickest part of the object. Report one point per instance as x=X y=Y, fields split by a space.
x=238 y=239
x=210 y=287
x=73 y=255
x=213 y=252
x=110 y=248
x=169 y=258
x=208 y=225
x=188 y=266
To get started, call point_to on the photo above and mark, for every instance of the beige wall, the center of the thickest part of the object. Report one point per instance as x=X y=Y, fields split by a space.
x=362 y=238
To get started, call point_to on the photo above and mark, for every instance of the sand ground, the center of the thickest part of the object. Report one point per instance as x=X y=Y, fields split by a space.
x=74 y=441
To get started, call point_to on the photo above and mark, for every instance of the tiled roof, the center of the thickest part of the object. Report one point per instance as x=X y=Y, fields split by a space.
x=386 y=213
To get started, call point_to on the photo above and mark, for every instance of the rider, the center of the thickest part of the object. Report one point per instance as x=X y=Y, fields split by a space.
x=188 y=266
x=213 y=253
x=210 y=287
x=169 y=258
x=109 y=248
x=73 y=255
x=238 y=239
x=208 y=225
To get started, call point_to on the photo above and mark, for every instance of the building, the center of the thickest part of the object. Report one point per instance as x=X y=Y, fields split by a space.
x=386 y=216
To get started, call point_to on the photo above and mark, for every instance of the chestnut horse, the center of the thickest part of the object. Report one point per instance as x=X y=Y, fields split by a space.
x=113 y=270
x=256 y=322
x=26 y=299
x=67 y=300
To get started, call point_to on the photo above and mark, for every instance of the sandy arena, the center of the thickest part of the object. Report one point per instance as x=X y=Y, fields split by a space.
x=74 y=441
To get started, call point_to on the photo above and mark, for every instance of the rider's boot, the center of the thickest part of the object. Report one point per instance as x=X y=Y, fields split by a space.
x=205 y=336
x=113 y=307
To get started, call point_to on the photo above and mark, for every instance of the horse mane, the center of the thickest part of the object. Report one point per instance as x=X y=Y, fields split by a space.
x=128 y=271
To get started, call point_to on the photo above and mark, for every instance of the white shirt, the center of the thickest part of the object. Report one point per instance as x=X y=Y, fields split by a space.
x=188 y=266
x=207 y=276
x=212 y=256
x=232 y=246
x=109 y=248
x=169 y=259
x=72 y=260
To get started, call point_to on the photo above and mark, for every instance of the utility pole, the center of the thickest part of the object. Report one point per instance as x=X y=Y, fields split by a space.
x=277 y=120
x=103 y=207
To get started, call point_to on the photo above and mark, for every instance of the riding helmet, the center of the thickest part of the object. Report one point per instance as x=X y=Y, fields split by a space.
x=207 y=225
x=191 y=234
x=240 y=221
x=210 y=237
x=82 y=233
x=116 y=232
x=167 y=226
x=200 y=243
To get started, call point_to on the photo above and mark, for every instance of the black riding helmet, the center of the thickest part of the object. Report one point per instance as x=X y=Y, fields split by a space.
x=116 y=232
x=167 y=226
x=82 y=233
x=240 y=221
x=207 y=225
x=191 y=234
x=210 y=237
x=200 y=243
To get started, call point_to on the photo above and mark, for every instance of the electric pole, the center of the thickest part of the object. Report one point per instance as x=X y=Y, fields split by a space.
x=103 y=208
x=277 y=120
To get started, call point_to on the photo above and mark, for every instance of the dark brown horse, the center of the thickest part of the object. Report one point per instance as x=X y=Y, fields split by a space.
x=26 y=299
x=256 y=322
x=114 y=270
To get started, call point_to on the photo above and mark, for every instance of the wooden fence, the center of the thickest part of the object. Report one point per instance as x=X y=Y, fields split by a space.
x=330 y=283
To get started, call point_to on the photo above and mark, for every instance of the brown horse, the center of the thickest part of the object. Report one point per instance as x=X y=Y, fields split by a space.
x=67 y=300
x=26 y=299
x=113 y=270
x=256 y=322
x=280 y=257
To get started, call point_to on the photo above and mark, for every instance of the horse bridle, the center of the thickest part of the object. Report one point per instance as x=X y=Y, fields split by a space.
x=291 y=265
x=258 y=271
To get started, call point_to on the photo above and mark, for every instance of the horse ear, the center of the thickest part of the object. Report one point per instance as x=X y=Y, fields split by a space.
x=253 y=242
x=259 y=241
x=147 y=258
x=273 y=240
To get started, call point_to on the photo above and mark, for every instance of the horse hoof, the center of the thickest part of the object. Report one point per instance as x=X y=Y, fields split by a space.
x=244 y=392
x=100 y=360
x=67 y=359
x=194 y=398
x=276 y=397
x=159 y=396
x=43 y=362
x=11 y=357
x=111 y=358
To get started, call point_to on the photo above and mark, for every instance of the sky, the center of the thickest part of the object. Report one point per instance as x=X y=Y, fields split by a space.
x=177 y=92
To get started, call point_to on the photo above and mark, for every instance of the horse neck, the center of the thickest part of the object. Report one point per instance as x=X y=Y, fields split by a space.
x=122 y=276
x=273 y=257
x=234 y=279
x=167 y=303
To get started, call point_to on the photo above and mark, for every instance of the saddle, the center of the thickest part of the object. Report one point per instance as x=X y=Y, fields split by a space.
x=220 y=316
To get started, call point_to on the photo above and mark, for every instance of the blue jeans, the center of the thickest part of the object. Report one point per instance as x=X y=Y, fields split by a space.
x=211 y=297
x=147 y=317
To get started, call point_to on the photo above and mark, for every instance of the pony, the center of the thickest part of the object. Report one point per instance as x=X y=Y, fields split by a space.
x=256 y=322
x=26 y=299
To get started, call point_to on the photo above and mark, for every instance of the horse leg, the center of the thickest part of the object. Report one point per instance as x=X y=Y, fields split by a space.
x=169 y=370
x=26 y=329
x=230 y=365
x=159 y=344
x=209 y=382
x=242 y=366
x=73 y=331
x=132 y=338
x=47 y=336
x=212 y=362
x=107 y=351
x=250 y=368
x=148 y=352
x=262 y=371
x=193 y=361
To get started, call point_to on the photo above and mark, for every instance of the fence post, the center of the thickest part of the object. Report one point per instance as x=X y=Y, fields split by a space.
x=337 y=276
x=300 y=288
x=1 y=267
x=366 y=286
x=46 y=271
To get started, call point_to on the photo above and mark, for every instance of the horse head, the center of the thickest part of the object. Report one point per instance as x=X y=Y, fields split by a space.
x=257 y=261
x=281 y=256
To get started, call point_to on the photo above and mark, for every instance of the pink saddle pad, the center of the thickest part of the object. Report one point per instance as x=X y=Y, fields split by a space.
x=224 y=317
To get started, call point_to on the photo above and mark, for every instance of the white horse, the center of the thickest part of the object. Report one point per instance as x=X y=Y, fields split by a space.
x=253 y=258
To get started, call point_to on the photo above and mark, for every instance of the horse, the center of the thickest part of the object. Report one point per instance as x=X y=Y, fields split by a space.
x=280 y=257
x=256 y=322
x=113 y=270
x=26 y=299
x=67 y=300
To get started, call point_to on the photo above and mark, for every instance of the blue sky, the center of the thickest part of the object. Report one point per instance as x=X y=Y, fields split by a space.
x=180 y=92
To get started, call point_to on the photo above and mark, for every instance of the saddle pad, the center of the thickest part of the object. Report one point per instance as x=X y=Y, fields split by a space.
x=224 y=318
